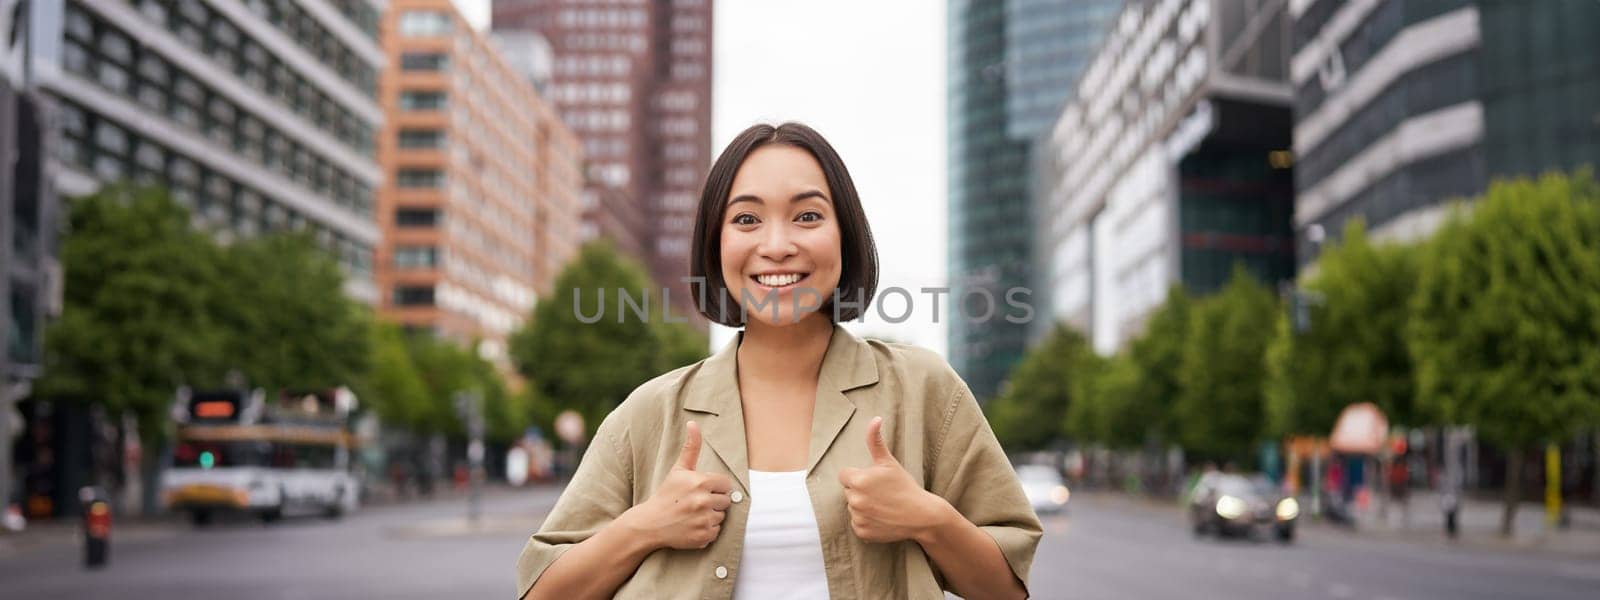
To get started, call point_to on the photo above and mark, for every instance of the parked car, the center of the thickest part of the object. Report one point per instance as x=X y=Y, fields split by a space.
x=1229 y=504
x=1045 y=489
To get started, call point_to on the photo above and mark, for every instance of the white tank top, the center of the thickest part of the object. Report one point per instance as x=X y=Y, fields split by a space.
x=782 y=556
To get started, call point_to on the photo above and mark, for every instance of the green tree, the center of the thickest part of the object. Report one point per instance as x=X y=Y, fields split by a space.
x=1220 y=409
x=680 y=345
x=446 y=368
x=289 y=324
x=1031 y=411
x=135 y=323
x=1354 y=349
x=589 y=367
x=392 y=386
x=1131 y=416
x=1157 y=357
x=1505 y=327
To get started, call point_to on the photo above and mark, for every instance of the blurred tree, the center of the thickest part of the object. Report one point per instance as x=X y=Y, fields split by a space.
x=289 y=323
x=1505 y=327
x=1157 y=356
x=136 y=323
x=1124 y=413
x=445 y=368
x=392 y=386
x=1354 y=349
x=1219 y=410
x=681 y=345
x=590 y=367
x=1031 y=410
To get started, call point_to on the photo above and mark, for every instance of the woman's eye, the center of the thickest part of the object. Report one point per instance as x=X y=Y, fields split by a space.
x=809 y=216
x=745 y=219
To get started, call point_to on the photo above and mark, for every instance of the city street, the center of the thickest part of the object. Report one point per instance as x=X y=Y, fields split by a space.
x=1106 y=547
x=1111 y=547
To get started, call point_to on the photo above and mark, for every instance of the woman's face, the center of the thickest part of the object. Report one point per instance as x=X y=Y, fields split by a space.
x=780 y=237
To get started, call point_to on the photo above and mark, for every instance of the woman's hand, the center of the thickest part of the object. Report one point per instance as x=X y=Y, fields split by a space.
x=886 y=504
x=686 y=512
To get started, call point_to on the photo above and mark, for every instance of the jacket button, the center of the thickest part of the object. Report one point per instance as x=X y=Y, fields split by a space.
x=737 y=496
x=722 y=572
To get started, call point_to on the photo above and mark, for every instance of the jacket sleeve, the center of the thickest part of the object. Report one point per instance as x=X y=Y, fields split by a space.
x=971 y=471
x=600 y=491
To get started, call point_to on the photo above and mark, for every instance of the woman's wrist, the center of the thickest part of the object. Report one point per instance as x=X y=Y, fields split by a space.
x=942 y=517
x=637 y=538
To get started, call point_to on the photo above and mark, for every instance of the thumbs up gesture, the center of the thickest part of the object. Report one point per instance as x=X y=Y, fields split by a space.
x=687 y=510
x=886 y=504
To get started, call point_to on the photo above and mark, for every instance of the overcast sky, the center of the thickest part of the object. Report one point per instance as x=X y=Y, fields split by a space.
x=870 y=77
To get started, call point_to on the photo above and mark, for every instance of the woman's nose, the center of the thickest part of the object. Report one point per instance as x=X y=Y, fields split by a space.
x=777 y=244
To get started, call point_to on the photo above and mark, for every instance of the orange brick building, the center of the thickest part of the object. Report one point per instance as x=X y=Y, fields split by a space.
x=479 y=206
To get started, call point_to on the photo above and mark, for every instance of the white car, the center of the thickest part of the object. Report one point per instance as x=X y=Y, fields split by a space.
x=1045 y=488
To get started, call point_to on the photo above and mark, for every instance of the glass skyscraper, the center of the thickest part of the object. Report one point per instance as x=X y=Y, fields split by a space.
x=1011 y=66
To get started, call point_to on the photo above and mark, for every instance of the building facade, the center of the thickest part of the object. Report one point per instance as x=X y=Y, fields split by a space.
x=479 y=206
x=1171 y=164
x=1402 y=106
x=257 y=115
x=28 y=264
x=1011 y=66
x=633 y=80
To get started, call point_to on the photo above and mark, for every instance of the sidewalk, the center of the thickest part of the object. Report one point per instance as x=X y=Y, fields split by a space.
x=53 y=532
x=1479 y=525
x=43 y=533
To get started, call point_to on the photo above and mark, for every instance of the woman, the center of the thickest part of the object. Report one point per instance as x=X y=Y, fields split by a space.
x=800 y=461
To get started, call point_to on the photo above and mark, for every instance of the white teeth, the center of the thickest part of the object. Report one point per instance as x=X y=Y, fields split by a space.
x=778 y=280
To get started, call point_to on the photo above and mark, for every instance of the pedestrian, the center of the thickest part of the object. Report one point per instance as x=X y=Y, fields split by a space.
x=799 y=461
x=1400 y=488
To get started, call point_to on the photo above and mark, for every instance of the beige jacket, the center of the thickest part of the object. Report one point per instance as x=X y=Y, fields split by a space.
x=932 y=424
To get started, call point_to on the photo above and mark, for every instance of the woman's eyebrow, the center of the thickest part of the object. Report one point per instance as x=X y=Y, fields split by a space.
x=796 y=198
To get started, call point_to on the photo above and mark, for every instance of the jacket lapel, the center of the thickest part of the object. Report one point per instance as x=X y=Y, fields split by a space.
x=848 y=364
x=714 y=391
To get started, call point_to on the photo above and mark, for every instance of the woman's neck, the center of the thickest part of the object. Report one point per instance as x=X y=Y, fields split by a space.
x=789 y=352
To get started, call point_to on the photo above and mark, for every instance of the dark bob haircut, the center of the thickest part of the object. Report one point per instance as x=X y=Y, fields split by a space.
x=858 y=277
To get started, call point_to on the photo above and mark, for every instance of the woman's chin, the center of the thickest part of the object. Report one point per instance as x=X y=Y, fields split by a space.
x=785 y=317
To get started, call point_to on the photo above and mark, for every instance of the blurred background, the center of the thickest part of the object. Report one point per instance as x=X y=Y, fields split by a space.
x=298 y=294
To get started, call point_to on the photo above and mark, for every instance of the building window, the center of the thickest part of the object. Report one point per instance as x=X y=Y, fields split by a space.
x=416 y=217
x=406 y=295
x=421 y=138
x=424 y=61
x=422 y=100
x=424 y=24
x=421 y=178
x=416 y=257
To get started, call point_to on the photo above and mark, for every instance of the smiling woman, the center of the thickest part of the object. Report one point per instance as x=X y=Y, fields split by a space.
x=837 y=467
x=782 y=205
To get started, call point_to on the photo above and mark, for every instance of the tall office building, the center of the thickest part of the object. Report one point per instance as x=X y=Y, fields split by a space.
x=479 y=208
x=633 y=79
x=1171 y=163
x=1012 y=64
x=257 y=115
x=28 y=266
x=1401 y=106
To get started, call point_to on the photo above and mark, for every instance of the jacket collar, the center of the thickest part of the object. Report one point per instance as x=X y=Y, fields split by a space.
x=714 y=389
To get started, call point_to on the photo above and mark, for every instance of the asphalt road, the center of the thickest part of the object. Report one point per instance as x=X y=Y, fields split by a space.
x=1105 y=547
x=1111 y=547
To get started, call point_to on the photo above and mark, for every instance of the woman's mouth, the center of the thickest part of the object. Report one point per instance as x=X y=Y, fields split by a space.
x=778 y=281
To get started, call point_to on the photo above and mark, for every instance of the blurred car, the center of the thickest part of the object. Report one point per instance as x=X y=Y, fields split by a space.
x=1045 y=489
x=1229 y=504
